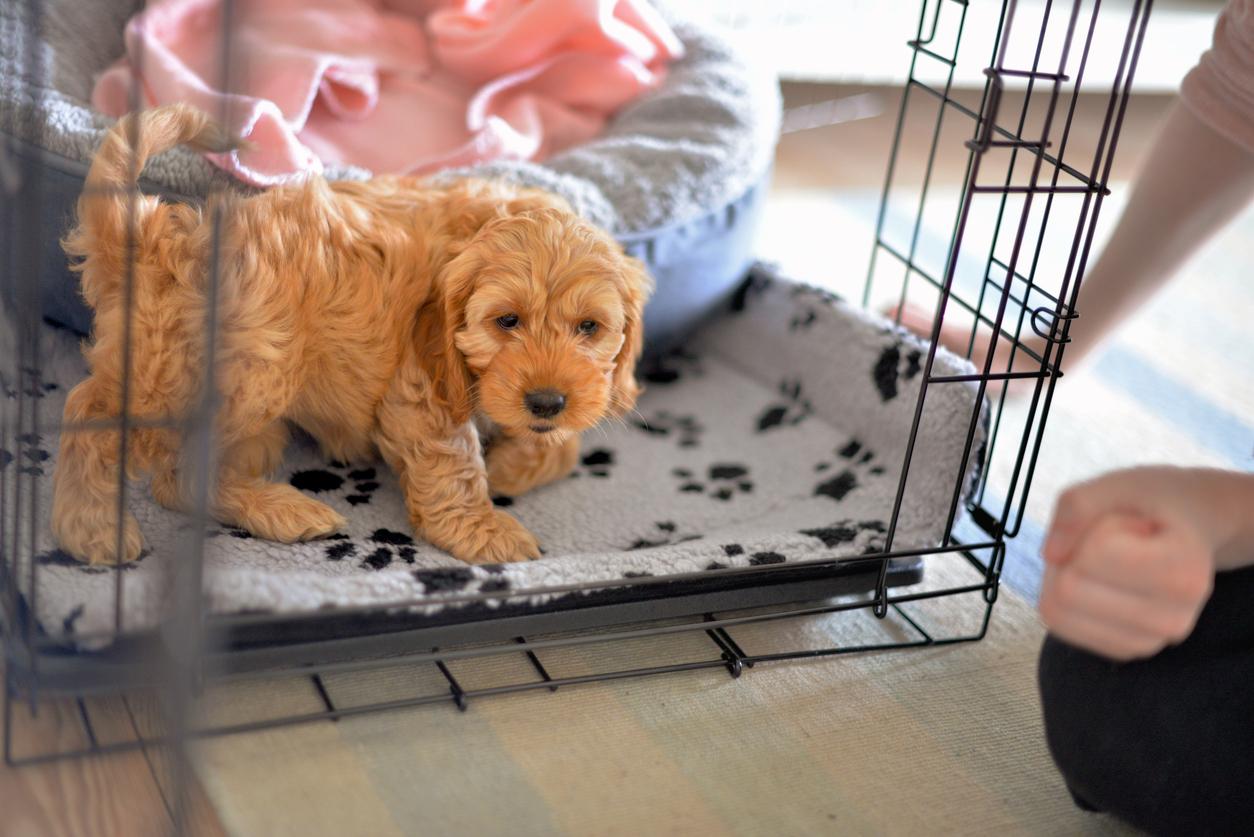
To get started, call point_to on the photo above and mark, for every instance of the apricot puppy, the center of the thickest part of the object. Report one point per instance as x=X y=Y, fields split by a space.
x=388 y=317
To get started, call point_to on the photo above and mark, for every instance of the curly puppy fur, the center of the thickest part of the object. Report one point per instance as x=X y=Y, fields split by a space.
x=390 y=316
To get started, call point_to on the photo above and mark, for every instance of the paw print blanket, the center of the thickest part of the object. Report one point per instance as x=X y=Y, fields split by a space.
x=776 y=436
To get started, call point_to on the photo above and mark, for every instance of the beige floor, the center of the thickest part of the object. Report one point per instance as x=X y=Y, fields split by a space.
x=854 y=154
x=828 y=181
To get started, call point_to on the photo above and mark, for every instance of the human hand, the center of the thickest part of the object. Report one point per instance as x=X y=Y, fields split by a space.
x=955 y=335
x=1131 y=556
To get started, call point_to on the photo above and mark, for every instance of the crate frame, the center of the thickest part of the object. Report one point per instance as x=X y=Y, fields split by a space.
x=192 y=648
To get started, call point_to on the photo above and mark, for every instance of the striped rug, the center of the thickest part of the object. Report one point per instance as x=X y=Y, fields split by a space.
x=942 y=740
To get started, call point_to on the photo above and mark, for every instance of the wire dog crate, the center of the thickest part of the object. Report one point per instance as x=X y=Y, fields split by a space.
x=1035 y=179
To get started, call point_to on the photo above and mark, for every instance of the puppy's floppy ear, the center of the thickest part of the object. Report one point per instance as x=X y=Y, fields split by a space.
x=438 y=323
x=636 y=287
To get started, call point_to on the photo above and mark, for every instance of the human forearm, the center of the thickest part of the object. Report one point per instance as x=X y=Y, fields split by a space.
x=1231 y=495
x=1193 y=183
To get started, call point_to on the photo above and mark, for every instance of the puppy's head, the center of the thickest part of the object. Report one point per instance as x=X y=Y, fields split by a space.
x=545 y=312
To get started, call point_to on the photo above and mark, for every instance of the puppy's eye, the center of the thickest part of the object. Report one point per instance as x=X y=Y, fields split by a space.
x=588 y=327
x=508 y=322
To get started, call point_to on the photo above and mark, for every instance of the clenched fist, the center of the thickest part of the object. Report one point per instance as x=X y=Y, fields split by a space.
x=1131 y=556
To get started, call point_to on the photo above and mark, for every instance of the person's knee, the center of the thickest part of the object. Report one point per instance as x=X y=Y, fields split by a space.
x=1098 y=716
x=1082 y=726
x=1141 y=740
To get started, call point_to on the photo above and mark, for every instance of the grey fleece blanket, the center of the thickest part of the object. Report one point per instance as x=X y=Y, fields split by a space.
x=775 y=436
x=698 y=142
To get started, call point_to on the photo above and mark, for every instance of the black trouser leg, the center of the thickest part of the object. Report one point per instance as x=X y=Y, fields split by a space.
x=1166 y=743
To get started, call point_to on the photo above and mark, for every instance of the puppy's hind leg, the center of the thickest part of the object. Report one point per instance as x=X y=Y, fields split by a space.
x=85 y=513
x=271 y=510
x=259 y=456
x=166 y=487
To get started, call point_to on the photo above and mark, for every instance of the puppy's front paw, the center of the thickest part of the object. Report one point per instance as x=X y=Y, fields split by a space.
x=96 y=542
x=280 y=513
x=495 y=538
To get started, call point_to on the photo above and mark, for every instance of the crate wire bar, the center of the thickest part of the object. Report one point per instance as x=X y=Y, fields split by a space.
x=194 y=648
x=1050 y=322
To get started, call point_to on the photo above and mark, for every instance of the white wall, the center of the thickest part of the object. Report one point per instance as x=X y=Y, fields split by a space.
x=863 y=41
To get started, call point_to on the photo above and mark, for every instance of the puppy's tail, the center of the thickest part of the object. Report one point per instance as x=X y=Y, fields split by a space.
x=109 y=198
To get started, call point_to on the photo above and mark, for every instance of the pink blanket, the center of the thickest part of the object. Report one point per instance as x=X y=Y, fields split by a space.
x=397 y=86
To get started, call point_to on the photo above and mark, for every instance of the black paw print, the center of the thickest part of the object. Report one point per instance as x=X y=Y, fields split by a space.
x=792 y=410
x=32 y=385
x=686 y=429
x=722 y=482
x=378 y=552
x=760 y=278
x=890 y=369
x=803 y=319
x=801 y=292
x=67 y=624
x=454 y=579
x=671 y=367
x=665 y=532
x=757 y=559
x=364 y=481
x=232 y=531
x=30 y=457
x=595 y=463
x=855 y=463
x=316 y=481
x=847 y=531
x=61 y=558
x=809 y=301
x=444 y=579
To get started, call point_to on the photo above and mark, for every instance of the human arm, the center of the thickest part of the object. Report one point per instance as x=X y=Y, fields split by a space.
x=1197 y=175
x=1192 y=183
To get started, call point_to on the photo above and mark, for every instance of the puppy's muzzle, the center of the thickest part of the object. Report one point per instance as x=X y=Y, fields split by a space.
x=545 y=403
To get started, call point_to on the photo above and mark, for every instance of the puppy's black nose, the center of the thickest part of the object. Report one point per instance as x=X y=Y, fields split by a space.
x=545 y=403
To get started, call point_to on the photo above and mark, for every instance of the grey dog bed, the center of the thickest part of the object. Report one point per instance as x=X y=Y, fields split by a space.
x=775 y=435
x=677 y=176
